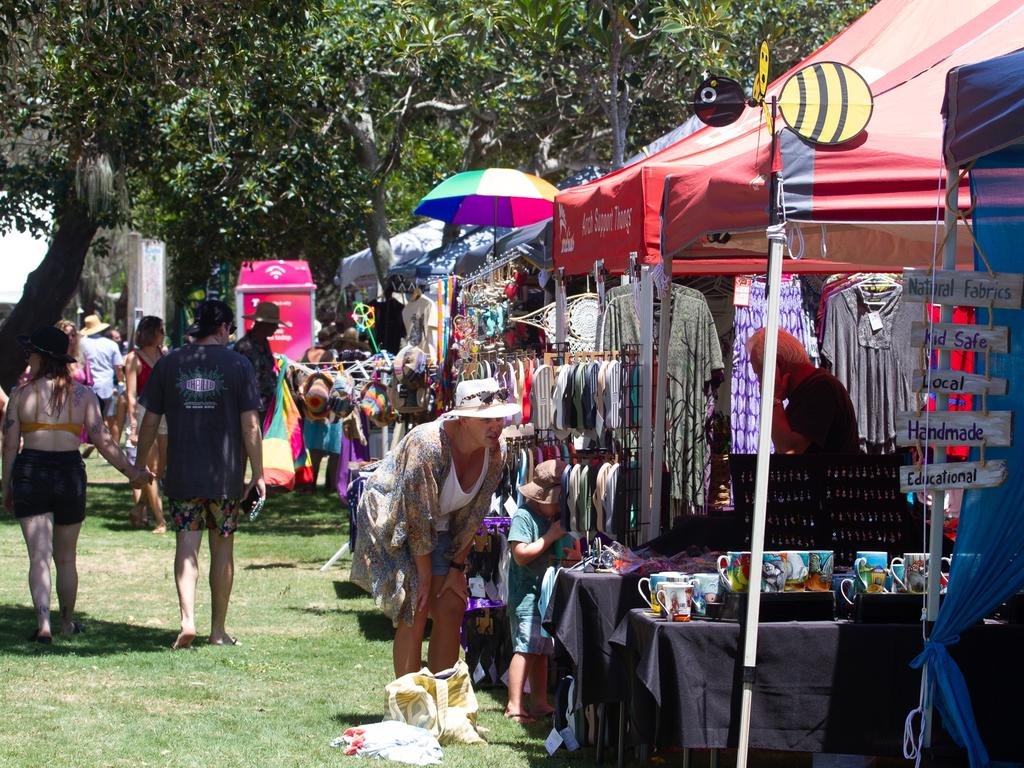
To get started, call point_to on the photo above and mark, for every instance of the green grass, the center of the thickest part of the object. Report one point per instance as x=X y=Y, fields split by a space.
x=314 y=659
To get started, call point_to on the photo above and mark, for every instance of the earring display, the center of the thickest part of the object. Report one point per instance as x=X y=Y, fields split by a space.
x=844 y=503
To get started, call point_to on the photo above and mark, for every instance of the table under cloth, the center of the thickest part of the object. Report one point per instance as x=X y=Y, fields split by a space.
x=820 y=687
x=584 y=611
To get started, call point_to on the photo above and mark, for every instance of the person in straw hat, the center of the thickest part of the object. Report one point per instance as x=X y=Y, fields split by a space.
x=535 y=538
x=44 y=481
x=255 y=345
x=418 y=515
x=106 y=364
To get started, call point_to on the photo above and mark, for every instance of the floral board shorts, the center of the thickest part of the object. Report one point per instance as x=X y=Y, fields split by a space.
x=219 y=515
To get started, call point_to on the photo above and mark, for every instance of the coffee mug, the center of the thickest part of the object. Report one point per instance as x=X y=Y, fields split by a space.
x=910 y=572
x=676 y=598
x=705 y=591
x=870 y=571
x=797 y=570
x=734 y=570
x=819 y=570
x=773 y=572
x=652 y=587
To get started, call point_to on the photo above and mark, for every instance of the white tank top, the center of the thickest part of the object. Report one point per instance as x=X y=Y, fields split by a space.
x=453 y=497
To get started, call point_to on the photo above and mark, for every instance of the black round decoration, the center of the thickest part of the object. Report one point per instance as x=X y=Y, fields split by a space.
x=719 y=101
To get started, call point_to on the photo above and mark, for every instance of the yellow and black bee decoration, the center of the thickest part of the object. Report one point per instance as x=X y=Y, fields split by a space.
x=826 y=103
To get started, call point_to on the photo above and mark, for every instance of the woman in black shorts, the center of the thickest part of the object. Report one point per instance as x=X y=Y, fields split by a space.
x=44 y=484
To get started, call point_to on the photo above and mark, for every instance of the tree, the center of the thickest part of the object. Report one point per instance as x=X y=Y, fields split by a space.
x=79 y=86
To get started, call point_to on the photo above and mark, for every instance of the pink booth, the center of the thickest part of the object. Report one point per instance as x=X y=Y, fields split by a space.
x=289 y=284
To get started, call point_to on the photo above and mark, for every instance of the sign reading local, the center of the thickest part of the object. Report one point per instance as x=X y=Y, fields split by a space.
x=957 y=383
x=960 y=338
x=945 y=428
x=965 y=474
x=1004 y=290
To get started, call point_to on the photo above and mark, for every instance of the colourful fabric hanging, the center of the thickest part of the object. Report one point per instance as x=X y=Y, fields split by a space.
x=285 y=458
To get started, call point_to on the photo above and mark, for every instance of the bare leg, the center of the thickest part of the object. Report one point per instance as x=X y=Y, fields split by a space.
x=518 y=670
x=161 y=444
x=65 y=546
x=151 y=492
x=447 y=612
x=407 y=651
x=331 y=481
x=540 y=706
x=186 y=573
x=38 y=533
x=222 y=576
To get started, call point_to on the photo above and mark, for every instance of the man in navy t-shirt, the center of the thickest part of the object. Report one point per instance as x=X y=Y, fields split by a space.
x=209 y=396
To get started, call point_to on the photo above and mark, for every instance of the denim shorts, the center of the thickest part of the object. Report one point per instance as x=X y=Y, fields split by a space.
x=439 y=556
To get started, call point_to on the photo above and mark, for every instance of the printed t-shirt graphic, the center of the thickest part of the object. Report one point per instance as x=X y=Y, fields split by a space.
x=203 y=390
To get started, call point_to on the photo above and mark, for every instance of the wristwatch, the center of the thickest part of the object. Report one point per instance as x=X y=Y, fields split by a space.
x=456 y=566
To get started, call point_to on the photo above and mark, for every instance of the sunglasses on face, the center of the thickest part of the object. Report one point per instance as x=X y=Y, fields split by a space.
x=486 y=398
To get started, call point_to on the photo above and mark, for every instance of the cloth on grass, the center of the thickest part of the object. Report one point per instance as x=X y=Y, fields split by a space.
x=391 y=740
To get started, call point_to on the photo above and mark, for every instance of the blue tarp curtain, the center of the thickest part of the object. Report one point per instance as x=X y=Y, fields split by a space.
x=988 y=561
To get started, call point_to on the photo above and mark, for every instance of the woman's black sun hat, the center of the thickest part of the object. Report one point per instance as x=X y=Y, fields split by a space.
x=49 y=341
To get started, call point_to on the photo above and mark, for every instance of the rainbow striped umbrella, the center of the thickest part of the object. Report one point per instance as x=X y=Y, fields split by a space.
x=498 y=197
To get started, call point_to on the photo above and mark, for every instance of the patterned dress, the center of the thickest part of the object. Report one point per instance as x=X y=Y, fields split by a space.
x=395 y=519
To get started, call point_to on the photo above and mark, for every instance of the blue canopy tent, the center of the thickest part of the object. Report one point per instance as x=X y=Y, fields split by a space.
x=984 y=133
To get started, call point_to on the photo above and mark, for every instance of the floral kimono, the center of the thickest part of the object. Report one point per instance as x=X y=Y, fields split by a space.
x=395 y=519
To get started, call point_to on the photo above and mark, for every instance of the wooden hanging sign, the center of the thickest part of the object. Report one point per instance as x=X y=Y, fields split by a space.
x=940 y=477
x=960 y=338
x=957 y=383
x=955 y=428
x=1003 y=290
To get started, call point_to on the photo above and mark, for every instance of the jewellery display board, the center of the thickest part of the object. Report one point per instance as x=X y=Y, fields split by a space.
x=844 y=503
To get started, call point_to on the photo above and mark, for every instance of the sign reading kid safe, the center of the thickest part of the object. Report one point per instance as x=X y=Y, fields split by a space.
x=960 y=338
x=1003 y=290
x=954 y=428
x=966 y=474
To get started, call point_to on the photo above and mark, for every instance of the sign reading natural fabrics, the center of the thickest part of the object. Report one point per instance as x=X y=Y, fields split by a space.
x=984 y=429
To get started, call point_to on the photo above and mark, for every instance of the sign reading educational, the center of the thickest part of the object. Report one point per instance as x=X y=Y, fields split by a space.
x=1003 y=290
x=966 y=474
x=994 y=430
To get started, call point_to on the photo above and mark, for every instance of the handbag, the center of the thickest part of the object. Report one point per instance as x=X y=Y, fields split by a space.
x=443 y=704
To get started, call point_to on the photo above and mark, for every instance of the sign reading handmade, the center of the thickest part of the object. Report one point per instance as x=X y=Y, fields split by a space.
x=1003 y=290
x=994 y=429
x=963 y=474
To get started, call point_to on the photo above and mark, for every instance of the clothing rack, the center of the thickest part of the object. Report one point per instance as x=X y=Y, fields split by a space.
x=567 y=358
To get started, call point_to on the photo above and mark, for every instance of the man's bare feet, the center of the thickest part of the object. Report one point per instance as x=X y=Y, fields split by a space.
x=161 y=528
x=542 y=713
x=520 y=717
x=184 y=639
x=224 y=639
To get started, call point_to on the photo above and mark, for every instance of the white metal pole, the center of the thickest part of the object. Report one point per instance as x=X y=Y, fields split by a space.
x=938 y=509
x=560 y=307
x=776 y=237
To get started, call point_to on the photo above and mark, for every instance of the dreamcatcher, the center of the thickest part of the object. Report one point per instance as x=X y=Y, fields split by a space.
x=581 y=321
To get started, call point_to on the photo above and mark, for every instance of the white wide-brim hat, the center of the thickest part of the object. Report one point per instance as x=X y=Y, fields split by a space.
x=483 y=399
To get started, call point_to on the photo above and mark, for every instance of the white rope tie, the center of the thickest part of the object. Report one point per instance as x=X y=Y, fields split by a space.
x=912 y=745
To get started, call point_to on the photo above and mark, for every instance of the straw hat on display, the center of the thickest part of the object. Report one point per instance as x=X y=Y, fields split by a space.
x=546 y=486
x=91 y=325
x=483 y=399
x=267 y=312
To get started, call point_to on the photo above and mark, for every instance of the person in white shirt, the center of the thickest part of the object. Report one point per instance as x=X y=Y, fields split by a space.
x=107 y=365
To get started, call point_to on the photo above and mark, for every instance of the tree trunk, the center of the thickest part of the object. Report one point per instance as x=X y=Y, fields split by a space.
x=378 y=234
x=47 y=289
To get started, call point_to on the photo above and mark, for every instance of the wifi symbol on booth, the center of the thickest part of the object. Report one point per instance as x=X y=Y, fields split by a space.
x=276 y=271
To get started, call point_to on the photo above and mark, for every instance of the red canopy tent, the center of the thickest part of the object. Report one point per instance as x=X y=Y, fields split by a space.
x=886 y=180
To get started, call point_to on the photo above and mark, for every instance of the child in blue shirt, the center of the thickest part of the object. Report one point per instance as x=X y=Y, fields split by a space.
x=534 y=535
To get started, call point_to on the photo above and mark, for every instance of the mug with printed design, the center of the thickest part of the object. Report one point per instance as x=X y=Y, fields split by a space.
x=705 y=591
x=652 y=582
x=676 y=599
x=870 y=574
x=797 y=570
x=734 y=571
x=819 y=570
x=910 y=572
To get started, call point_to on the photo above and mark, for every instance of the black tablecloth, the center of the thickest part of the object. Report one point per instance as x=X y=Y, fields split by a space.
x=821 y=686
x=584 y=611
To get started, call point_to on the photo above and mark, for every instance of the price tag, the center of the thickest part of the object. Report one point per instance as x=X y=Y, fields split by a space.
x=569 y=738
x=876 y=321
x=552 y=742
x=741 y=292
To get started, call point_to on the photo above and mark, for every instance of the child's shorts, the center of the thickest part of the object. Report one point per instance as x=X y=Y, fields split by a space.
x=526 y=634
